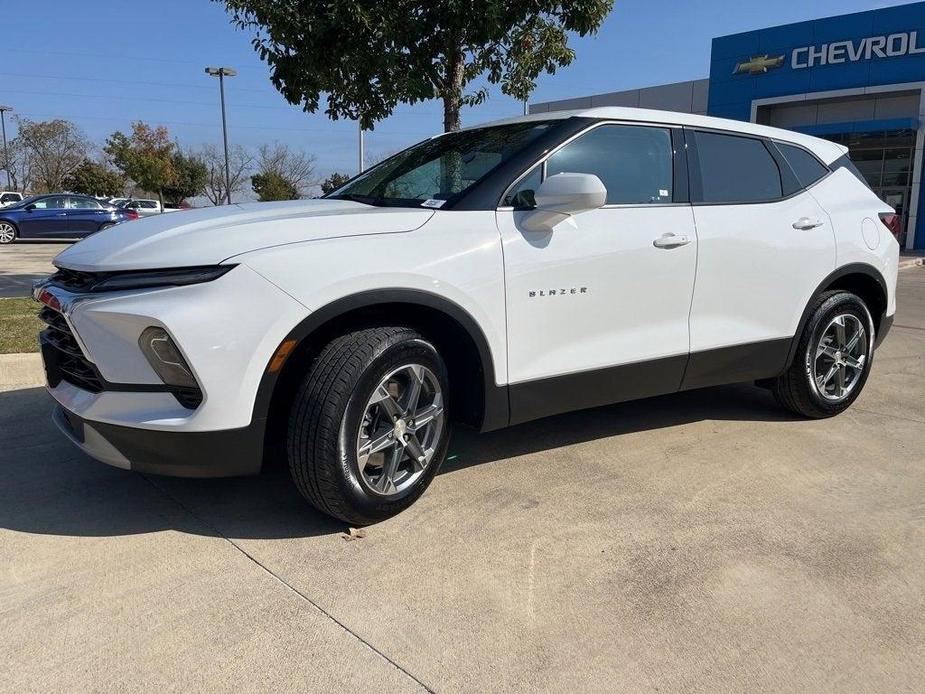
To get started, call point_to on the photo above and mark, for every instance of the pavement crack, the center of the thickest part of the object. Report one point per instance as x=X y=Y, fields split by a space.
x=285 y=583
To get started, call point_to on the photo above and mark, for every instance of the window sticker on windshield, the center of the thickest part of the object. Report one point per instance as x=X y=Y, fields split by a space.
x=433 y=203
x=663 y=193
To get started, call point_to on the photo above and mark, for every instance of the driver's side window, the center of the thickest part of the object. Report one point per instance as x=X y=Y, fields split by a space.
x=634 y=162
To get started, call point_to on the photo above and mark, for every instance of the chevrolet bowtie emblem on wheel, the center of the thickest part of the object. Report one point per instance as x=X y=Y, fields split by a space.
x=758 y=64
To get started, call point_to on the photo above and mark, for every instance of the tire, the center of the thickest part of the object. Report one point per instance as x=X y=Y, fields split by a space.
x=8 y=232
x=334 y=424
x=828 y=373
x=108 y=225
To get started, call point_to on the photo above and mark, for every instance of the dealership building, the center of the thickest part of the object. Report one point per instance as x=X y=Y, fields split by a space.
x=857 y=79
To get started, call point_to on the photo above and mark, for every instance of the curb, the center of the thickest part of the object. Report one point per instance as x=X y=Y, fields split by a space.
x=906 y=263
x=21 y=371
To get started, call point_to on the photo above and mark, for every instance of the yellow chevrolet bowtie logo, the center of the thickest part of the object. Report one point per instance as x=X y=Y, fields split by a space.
x=758 y=64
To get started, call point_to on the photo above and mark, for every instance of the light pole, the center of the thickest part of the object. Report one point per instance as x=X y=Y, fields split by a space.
x=361 y=153
x=222 y=73
x=6 y=154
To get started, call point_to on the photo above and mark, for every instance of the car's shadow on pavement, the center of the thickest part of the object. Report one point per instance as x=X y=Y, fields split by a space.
x=49 y=487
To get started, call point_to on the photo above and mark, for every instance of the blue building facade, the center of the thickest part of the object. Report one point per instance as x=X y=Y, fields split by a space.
x=858 y=79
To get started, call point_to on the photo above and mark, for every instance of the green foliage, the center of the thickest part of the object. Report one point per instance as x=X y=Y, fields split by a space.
x=367 y=56
x=145 y=156
x=94 y=178
x=333 y=182
x=189 y=179
x=271 y=185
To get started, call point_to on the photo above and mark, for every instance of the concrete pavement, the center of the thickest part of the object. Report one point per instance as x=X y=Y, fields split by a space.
x=23 y=263
x=705 y=541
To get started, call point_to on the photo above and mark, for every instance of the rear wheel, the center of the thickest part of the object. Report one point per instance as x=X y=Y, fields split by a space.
x=833 y=358
x=368 y=429
x=7 y=232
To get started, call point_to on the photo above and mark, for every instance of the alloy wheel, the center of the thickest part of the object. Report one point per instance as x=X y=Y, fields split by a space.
x=400 y=430
x=7 y=233
x=840 y=357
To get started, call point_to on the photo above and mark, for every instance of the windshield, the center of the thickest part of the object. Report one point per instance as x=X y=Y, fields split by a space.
x=434 y=171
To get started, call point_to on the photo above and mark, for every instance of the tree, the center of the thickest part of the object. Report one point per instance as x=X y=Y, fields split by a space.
x=333 y=182
x=295 y=168
x=367 y=56
x=51 y=150
x=240 y=161
x=94 y=178
x=190 y=175
x=272 y=186
x=20 y=166
x=145 y=156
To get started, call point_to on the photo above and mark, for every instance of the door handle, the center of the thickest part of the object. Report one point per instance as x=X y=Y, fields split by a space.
x=61 y=214
x=807 y=223
x=671 y=240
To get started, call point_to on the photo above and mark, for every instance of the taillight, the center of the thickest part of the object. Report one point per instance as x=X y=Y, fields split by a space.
x=131 y=214
x=893 y=222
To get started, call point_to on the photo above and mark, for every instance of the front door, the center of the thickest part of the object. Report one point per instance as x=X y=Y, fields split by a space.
x=597 y=308
x=46 y=219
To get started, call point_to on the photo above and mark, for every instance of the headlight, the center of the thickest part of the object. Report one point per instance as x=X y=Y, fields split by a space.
x=143 y=279
x=165 y=358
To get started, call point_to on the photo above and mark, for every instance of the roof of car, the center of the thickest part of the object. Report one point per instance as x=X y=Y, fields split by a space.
x=826 y=150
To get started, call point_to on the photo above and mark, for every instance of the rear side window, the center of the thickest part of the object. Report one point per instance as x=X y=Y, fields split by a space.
x=736 y=169
x=807 y=168
x=843 y=162
x=635 y=163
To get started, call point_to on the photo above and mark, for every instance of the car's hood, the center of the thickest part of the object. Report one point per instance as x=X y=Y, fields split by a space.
x=210 y=235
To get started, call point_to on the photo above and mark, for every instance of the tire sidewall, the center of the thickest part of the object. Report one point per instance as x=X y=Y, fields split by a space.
x=15 y=234
x=367 y=503
x=840 y=303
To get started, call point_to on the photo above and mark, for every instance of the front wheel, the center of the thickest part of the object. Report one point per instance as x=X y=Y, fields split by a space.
x=7 y=233
x=833 y=358
x=368 y=429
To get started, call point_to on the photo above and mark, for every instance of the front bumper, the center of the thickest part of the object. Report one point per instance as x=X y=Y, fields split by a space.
x=224 y=453
x=112 y=405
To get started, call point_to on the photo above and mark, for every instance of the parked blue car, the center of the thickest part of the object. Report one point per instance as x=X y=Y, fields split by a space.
x=58 y=217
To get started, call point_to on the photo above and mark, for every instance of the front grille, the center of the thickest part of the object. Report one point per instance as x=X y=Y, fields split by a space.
x=64 y=360
x=75 y=280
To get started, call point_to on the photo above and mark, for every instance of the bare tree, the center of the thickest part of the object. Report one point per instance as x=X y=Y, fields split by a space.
x=240 y=162
x=296 y=168
x=54 y=149
x=20 y=167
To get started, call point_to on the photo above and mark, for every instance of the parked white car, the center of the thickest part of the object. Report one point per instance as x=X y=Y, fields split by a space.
x=144 y=208
x=10 y=197
x=491 y=276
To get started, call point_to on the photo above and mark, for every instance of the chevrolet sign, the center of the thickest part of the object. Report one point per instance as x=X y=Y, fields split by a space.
x=837 y=52
x=758 y=65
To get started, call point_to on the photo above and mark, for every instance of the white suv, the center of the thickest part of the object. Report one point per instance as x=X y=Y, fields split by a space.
x=494 y=275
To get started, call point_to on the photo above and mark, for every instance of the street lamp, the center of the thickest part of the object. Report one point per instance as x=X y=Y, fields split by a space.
x=6 y=154
x=222 y=73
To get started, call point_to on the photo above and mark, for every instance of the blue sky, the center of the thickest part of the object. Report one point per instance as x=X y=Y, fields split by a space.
x=105 y=63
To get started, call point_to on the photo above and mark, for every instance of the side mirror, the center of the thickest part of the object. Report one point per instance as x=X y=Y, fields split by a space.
x=563 y=195
x=31 y=207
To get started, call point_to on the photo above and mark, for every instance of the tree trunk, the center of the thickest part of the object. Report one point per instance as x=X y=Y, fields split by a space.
x=160 y=198
x=452 y=93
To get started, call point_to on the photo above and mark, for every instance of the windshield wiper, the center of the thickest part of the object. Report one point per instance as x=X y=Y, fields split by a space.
x=365 y=199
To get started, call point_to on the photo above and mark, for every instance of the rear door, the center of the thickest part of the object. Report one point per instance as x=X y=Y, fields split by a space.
x=597 y=308
x=84 y=216
x=764 y=246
